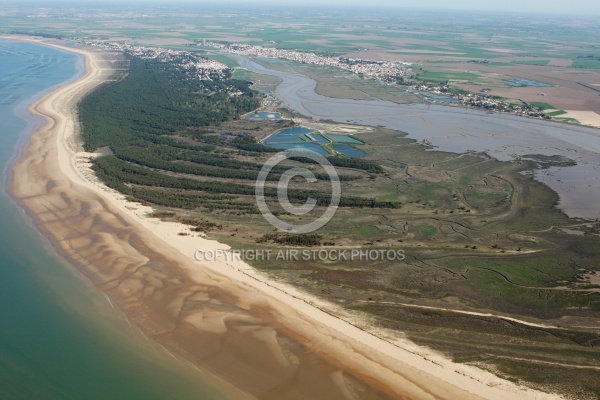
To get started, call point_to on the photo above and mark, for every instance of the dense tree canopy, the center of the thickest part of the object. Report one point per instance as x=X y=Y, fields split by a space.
x=142 y=118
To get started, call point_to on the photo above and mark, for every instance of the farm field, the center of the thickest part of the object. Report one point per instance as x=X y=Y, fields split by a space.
x=470 y=55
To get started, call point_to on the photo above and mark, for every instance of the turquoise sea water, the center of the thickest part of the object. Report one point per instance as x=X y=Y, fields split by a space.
x=59 y=337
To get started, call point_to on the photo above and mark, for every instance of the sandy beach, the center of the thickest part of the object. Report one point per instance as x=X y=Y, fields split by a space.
x=267 y=339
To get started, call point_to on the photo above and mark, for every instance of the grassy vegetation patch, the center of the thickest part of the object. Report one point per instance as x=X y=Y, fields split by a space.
x=569 y=120
x=441 y=76
x=588 y=64
x=484 y=200
x=541 y=63
x=542 y=106
x=366 y=230
x=230 y=62
x=427 y=231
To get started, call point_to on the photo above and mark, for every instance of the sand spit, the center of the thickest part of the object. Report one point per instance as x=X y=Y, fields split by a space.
x=267 y=339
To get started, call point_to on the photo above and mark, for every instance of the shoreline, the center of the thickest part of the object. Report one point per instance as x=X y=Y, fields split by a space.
x=50 y=180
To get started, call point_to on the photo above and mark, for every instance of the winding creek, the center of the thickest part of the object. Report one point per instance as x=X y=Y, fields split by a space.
x=448 y=128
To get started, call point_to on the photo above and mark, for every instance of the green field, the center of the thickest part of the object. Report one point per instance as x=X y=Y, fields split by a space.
x=230 y=62
x=449 y=76
x=543 y=106
x=532 y=62
x=589 y=64
x=556 y=113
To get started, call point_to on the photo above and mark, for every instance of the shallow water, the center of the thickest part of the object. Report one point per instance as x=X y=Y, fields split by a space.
x=60 y=338
x=301 y=146
x=283 y=139
x=459 y=130
x=342 y=138
x=348 y=151
x=294 y=131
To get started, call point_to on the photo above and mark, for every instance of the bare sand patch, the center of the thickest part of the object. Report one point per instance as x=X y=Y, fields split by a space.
x=499 y=50
x=593 y=277
x=590 y=118
x=350 y=129
x=561 y=62
x=173 y=33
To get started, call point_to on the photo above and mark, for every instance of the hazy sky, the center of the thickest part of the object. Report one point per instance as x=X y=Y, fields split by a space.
x=583 y=7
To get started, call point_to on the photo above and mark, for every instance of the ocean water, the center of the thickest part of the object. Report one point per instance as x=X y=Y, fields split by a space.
x=59 y=337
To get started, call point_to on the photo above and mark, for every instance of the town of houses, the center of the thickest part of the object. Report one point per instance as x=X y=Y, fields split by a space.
x=195 y=64
x=384 y=71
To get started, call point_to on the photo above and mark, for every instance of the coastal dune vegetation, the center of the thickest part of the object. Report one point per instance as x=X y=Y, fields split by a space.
x=152 y=124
